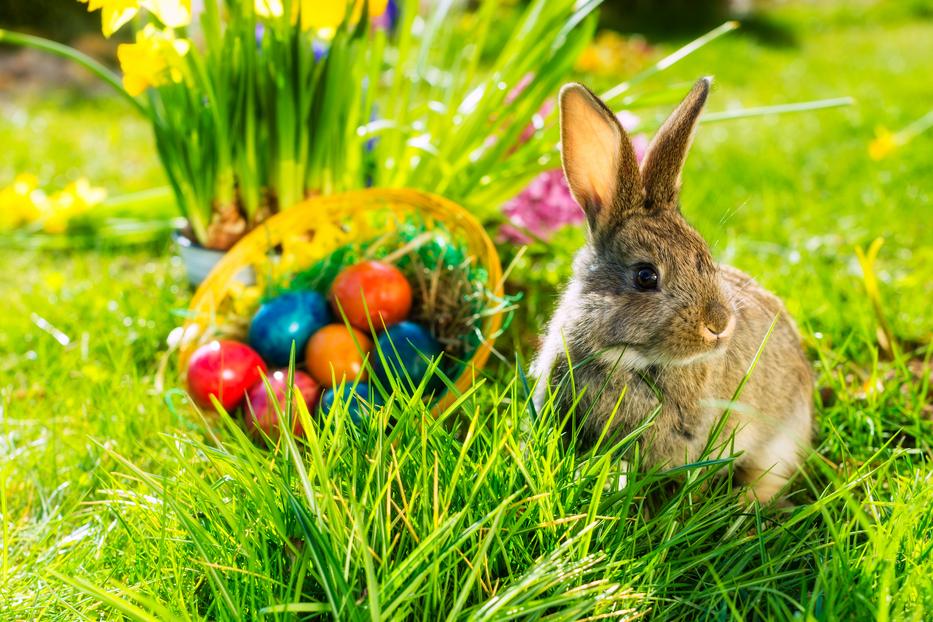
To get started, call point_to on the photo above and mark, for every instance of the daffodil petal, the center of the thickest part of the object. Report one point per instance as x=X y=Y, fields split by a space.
x=172 y=13
x=155 y=58
x=113 y=17
x=316 y=15
x=181 y=46
x=377 y=7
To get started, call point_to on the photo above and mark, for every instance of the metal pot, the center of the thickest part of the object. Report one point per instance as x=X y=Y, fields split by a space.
x=199 y=261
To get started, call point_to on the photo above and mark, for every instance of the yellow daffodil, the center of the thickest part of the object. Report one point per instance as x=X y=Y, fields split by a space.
x=172 y=13
x=84 y=193
x=154 y=59
x=320 y=14
x=328 y=14
x=612 y=53
x=75 y=199
x=19 y=202
x=884 y=143
x=115 y=13
x=23 y=203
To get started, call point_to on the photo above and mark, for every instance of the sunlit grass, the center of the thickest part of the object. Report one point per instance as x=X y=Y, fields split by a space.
x=119 y=500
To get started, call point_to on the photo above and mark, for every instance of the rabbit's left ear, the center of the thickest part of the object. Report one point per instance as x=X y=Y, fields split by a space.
x=598 y=158
x=665 y=156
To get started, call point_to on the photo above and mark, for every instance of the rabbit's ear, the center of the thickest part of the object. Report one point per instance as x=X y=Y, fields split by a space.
x=597 y=156
x=665 y=156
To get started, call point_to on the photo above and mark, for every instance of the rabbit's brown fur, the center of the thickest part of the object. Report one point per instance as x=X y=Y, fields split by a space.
x=685 y=345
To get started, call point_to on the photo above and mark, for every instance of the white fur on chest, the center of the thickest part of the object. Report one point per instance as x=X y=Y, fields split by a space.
x=626 y=358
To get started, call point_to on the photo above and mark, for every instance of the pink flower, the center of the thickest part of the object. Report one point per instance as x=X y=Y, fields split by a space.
x=640 y=143
x=540 y=209
x=628 y=120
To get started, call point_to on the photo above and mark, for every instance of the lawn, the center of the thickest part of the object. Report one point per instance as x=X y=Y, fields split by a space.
x=119 y=499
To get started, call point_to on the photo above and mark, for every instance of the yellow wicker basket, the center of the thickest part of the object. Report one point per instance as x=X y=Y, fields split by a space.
x=316 y=227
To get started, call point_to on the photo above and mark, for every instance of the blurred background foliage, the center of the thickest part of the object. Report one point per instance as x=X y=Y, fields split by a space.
x=62 y=21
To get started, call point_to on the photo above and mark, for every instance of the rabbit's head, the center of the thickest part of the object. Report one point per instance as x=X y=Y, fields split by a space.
x=649 y=291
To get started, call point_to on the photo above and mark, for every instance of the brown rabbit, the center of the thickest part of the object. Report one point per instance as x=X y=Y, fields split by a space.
x=649 y=316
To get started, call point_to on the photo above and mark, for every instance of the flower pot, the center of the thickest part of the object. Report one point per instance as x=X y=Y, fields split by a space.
x=199 y=261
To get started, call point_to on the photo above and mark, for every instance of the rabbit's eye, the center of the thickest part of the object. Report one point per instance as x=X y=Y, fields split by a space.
x=646 y=277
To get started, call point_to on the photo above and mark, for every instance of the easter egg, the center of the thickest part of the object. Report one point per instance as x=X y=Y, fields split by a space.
x=260 y=412
x=336 y=353
x=373 y=286
x=224 y=369
x=291 y=317
x=358 y=400
x=404 y=348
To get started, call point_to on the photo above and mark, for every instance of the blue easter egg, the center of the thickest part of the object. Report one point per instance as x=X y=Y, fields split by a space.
x=404 y=347
x=294 y=316
x=359 y=400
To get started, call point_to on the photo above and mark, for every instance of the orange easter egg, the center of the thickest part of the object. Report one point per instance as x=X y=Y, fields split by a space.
x=371 y=289
x=336 y=353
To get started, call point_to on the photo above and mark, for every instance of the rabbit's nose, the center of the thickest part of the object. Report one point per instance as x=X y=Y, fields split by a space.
x=719 y=322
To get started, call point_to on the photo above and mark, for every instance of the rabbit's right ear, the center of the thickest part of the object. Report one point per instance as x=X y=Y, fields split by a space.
x=598 y=158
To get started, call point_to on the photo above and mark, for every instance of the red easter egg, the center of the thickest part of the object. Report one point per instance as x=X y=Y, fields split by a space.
x=335 y=353
x=224 y=369
x=260 y=413
x=373 y=286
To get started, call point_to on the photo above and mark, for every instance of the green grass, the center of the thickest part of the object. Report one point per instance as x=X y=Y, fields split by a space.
x=117 y=499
